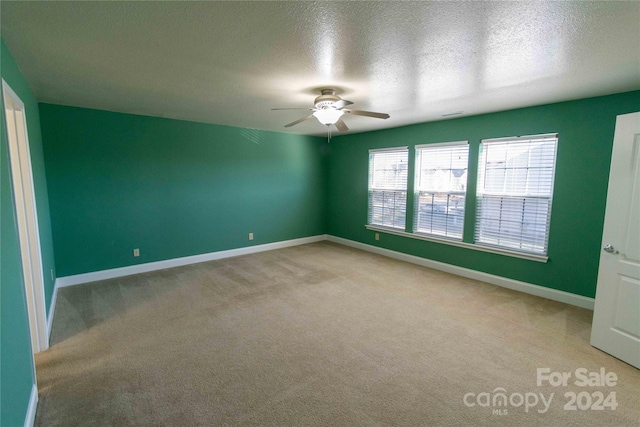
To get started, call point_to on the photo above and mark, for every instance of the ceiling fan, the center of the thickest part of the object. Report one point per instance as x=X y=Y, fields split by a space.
x=328 y=108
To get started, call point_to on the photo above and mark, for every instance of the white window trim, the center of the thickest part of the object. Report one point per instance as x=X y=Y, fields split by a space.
x=521 y=138
x=550 y=197
x=417 y=191
x=391 y=149
x=451 y=242
x=401 y=149
x=441 y=144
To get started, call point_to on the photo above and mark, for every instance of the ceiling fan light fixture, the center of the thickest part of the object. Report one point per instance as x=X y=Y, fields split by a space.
x=328 y=108
x=328 y=116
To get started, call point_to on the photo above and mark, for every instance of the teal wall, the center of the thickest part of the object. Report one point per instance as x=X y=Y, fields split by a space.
x=12 y=75
x=173 y=188
x=585 y=129
x=16 y=357
x=16 y=377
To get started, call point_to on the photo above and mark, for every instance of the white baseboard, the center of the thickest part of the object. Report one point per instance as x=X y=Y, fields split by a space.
x=541 y=291
x=52 y=309
x=177 y=262
x=528 y=288
x=30 y=417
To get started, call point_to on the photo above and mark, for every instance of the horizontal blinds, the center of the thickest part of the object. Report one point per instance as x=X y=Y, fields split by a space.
x=441 y=214
x=442 y=168
x=388 y=171
x=441 y=182
x=517 y=167
x=515 y=187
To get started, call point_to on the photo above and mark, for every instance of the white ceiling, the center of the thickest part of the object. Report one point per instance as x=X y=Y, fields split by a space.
x=231 y=62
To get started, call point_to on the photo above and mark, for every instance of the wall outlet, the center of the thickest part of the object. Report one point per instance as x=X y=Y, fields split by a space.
x=136 y=252
x=250 y=236
x=53 y=277
x=377 y=236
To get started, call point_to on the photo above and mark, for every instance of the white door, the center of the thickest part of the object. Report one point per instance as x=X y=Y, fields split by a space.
x=616 y=317
x=26 y=216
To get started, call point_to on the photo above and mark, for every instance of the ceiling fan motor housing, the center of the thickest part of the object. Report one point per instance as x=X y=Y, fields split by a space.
x=329 y=108
x=326 y=100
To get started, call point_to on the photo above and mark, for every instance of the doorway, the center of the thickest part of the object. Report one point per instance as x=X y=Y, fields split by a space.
x=616 y=317
x=26 y=216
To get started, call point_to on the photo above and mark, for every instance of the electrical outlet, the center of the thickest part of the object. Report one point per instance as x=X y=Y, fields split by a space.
x=52 y=275
x=377 y=236
x=250 y=236
x=136 y=252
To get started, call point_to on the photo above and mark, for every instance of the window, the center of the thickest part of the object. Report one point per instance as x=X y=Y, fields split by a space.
x=515 y=185
x=440 y=188
x=388 y=169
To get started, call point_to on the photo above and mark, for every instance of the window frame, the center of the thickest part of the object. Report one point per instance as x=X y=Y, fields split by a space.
x=467 y=243
x=418 y=189
x=371 y=188
x=514 y=197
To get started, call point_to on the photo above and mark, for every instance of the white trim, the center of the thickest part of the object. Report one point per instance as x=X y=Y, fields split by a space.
x=521 y=138
x=541 y=291
x=390 y=149
x=440 y=144
x=52 y=309
x=528 y=288
x=460 y=244
x=30 y=417
x=177 y=262
x=24 y=196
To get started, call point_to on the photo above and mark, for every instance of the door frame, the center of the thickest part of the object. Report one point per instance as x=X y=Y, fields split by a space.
x=26 y=216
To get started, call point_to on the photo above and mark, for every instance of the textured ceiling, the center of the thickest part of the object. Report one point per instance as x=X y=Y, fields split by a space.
x=231 y=62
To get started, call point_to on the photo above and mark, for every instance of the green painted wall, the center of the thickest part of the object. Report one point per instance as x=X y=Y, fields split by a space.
x=585 y=130
x=12 y=75
x=173 y=188
x=16 y=377
x=16 y=357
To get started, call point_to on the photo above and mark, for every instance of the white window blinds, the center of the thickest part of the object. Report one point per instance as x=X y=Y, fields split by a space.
x=388 y=169
x=515 y=186
x=440 y=189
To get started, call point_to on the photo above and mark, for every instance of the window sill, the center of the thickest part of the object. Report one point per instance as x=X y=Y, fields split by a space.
x=476 y=247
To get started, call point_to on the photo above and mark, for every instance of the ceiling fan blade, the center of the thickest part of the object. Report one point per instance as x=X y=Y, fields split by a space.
x=342 y=126
x=274 y=109
x=299 y=121
x=338 y=105
x=367 y=113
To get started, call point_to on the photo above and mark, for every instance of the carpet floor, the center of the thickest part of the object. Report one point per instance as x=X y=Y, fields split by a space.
x=321 y=335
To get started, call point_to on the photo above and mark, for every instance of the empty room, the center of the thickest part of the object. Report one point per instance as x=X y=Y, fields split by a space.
x=300 y=213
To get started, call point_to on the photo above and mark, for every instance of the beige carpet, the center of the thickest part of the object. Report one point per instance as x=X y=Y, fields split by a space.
x=316 y=335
